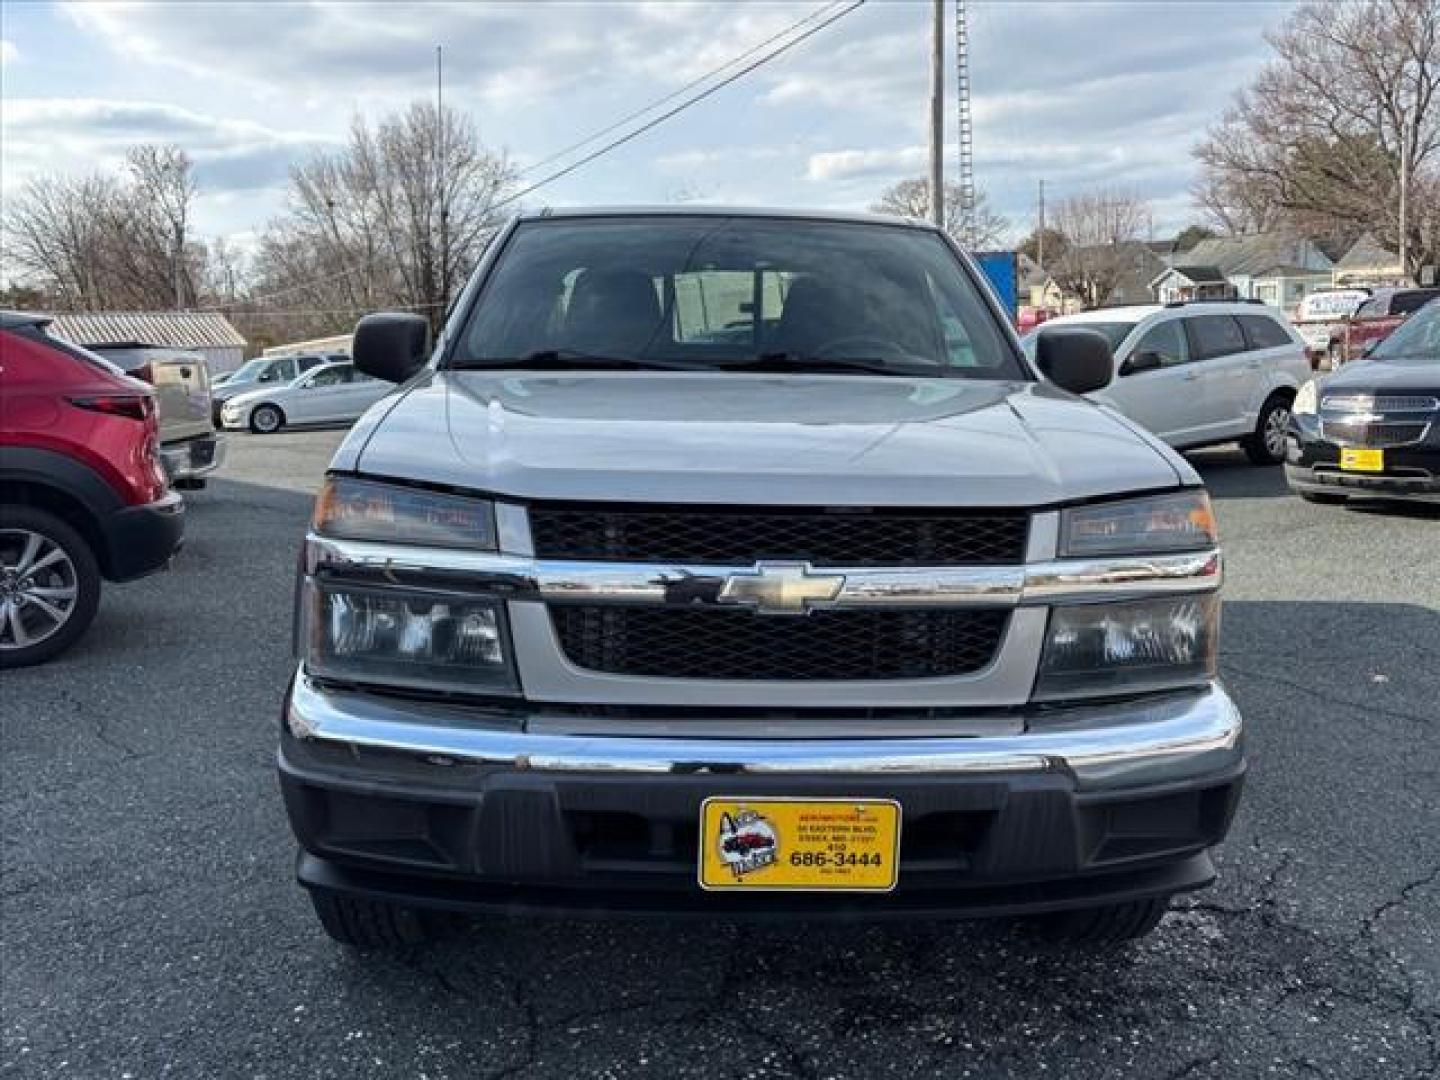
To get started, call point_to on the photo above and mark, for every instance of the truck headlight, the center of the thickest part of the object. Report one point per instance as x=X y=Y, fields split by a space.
x=1307 y=400
x=1095 y=650
x=405 y=637
x=1154 y=525
x=354 y=509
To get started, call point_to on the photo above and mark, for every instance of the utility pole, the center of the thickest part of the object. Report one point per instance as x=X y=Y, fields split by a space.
x=937 y=116
x=1040 y=232
x=439 y=313
x=177 y=267
x=1406 y=129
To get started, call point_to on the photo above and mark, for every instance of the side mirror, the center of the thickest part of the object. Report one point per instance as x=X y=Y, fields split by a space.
x=391 y=345
x=1141 y=361
x=1076 y=360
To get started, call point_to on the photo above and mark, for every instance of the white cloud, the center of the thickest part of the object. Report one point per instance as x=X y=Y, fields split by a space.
x=9 y=54
x=1092 y=93
x=847 y=164
x=79 y=134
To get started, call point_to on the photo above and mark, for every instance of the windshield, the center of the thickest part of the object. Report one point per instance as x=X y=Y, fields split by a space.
x=248 y=371
x=1417 y=336
x=711 y=293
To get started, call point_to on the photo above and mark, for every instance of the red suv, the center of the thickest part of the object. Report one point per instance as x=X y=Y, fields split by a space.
x=82 y=492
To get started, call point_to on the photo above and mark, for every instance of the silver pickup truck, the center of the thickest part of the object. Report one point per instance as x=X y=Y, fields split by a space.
x=734 y=564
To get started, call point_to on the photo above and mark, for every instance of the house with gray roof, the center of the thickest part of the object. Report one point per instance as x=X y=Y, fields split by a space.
x=1368 y=263
x=1277 y=269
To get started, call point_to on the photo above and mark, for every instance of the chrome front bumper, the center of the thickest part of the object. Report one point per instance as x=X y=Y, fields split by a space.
x=194 y=458
x=1172 y=738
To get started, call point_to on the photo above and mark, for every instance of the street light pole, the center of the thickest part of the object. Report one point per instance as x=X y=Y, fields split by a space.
x=937 y=116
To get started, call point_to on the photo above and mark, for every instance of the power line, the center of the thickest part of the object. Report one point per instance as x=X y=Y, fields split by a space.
x=700 y=80
x=695 y=100
x=629 y=136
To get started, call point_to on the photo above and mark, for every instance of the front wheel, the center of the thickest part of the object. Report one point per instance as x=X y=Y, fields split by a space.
x=1267 y=445
x=1107 y=925
x=266 y=420
x=49 y=585
x=370 y=925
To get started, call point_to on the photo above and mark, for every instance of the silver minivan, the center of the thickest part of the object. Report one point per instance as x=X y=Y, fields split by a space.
x=1202 y=372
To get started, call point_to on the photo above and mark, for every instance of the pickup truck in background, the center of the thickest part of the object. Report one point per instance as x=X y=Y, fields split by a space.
x=1321 y=317
x=190 y=449
x=1375 y=320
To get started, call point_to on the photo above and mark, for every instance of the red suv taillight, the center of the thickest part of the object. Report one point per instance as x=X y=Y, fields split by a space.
x=134 y=406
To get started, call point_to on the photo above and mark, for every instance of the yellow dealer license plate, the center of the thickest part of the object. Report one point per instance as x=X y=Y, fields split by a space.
x=1357 y=459
x=800 y=844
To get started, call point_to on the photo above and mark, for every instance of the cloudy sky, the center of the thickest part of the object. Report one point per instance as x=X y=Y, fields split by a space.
x=1080 y=93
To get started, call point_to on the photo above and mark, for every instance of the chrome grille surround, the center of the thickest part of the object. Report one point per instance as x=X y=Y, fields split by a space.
x=1379 y=403
x=1377 y=421
x=1374 y=434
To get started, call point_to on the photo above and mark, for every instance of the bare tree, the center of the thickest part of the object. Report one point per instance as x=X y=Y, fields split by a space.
x=911 y=198
x=99 y=241
x=1102 y=228
x=1324 y=138
x=397 y=217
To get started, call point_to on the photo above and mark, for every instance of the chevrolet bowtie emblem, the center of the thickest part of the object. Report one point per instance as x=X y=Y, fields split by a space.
x=781 y=588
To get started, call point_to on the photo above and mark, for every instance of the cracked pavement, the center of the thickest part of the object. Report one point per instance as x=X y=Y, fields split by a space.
x=151 y=927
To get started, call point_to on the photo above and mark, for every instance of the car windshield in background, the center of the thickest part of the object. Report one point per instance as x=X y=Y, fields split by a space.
x=1113 y=332
x=1418 y=337
x=715 y=293
x=248 y=370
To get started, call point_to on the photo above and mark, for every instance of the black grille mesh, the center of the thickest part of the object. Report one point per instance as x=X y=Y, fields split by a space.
x=743 y=536
x=710 y=644
x=1377 y=435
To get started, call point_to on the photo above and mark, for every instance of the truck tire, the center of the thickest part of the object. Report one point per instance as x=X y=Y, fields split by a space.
x=1107 y=925
x=370 y=925
x=1267 y=445
x=70 y=574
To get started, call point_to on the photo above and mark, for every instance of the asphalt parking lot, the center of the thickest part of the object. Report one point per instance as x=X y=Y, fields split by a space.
x=151 y=927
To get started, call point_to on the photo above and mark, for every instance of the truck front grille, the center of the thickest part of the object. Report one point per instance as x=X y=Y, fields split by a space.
x=1378 y=435
x=694 y=644
x=742 y=536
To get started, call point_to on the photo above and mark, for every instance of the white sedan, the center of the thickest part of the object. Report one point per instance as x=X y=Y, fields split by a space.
x=329 y=394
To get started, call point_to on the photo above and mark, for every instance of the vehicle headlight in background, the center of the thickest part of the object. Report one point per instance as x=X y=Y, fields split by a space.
x=1155 y=525
x=1307 y=400
x=1096 y=650
x=365 y=510
x=401 y=637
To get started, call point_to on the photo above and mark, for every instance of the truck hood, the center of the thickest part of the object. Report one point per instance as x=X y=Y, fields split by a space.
x=753 y=439
x=1415 y=372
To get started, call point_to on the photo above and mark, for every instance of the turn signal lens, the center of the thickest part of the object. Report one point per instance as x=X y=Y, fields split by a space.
x=1155 y=525
x=364 y=510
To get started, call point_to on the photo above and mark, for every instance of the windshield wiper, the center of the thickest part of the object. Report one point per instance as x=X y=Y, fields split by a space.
x=803 y=362
x=570 y=359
